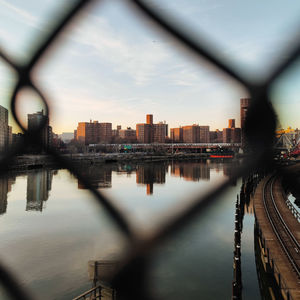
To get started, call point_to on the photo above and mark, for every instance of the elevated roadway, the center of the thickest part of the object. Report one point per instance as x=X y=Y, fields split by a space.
x=170 y=146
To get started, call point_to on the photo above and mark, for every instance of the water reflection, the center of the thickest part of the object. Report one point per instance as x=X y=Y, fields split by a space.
x=38 y=186
x=5 y=188
x=98 y=176
x=39 y=182
x=152 y=173
x=191 y=171
x=149 y=174
x=71 y=232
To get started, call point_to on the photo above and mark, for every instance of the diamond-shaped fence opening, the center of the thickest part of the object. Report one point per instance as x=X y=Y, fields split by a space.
x=129 y=277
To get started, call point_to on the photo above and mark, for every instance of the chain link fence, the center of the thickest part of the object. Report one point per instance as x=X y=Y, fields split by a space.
x=260 y=127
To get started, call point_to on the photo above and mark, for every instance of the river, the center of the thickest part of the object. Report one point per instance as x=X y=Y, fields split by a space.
x=50 y=227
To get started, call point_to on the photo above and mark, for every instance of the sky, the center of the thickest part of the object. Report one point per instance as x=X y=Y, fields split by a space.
x=112 y=65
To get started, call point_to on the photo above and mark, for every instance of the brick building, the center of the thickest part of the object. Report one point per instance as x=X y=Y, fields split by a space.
x=191 y=134
x=160 y=131
x=144 y=133
x=203 y=134
x=176 y=135
x=3 y=128
x=94 y=132
x=127 y=135
x=232 y=134
x=36 y=120
x=148 y=132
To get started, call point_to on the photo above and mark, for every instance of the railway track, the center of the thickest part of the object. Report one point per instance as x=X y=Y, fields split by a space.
x=285 y=236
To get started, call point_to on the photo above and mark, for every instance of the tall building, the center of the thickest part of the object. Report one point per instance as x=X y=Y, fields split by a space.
x=176 y=135
x=3 y=128
x=227 y=135
x=144 y=133
x=94 y=132
x=191 y=133
x=160 y=132
x=219 y=136
x=151 y=133
x=231 y=123
x=232 y=135
x=236 y=135
x=244 y=106
x=84 y=133
x=149 y=119
x=216 y=136
x=36 y=120
x=127 y=135
x=203 y=134
x=9 y=138
x=105 y=132
x=212 y=136
x=50 y=136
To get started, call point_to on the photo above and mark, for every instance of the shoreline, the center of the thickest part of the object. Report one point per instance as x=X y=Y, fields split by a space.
x=29 y=162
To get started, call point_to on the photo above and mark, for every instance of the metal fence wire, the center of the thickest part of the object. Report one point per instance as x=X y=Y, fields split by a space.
x=130 y=279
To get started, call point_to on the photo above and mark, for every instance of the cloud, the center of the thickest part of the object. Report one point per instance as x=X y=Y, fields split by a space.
x=140 y=58
x=18 y=12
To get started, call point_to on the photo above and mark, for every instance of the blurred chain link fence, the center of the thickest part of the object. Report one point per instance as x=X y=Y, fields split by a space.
x=260 y=128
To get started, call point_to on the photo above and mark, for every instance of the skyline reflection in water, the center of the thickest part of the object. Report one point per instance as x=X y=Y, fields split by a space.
x=149 y=174
x=39 y=182
x=49 y=246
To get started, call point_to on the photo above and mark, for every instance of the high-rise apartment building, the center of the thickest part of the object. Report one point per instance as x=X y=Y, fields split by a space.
x=35 y=121
x=105 y=132
x=149 y=119
x=227 y=135
x=236 y=135
x=231 y=134
x=94 y=132
x=127 y=135
x=195 y=134
x=191 y=133
x=176 y=135
x=219 y=136
x=216 y=136
x=84 y=133
x=231 y=123
x=244 y=106
x=3 y=128
x=151 y=133
x=203 y=134
x=160 y=132
x=9 y=136
x=212 y=136
x=144 y=133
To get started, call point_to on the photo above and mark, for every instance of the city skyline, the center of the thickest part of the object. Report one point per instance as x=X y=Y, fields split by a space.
x=93 y=131
x=114 y=126
x=113 y=71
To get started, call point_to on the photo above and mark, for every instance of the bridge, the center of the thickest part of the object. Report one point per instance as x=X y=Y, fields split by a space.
x=278 y=227
x=288 y=143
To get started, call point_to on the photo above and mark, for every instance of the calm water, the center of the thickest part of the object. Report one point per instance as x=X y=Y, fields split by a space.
x=50 y=228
